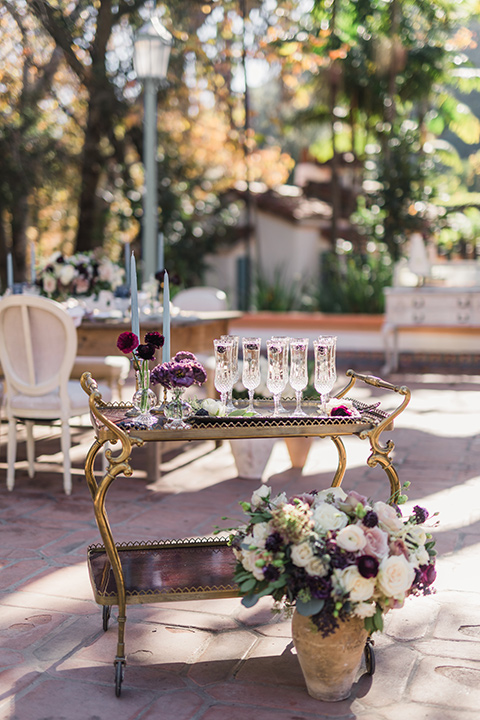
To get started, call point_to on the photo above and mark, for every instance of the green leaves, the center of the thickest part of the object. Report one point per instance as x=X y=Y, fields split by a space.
x=312 y=607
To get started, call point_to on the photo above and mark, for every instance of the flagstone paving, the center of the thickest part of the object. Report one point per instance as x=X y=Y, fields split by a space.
x=215 y=660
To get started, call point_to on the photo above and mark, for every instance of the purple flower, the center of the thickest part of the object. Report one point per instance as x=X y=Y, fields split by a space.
x=271 y=573
x=146 y=351
x=154 y=338
x=367 y=566
x=184 y=355
x=273 y=542
x=420 y=514
x=127 y=342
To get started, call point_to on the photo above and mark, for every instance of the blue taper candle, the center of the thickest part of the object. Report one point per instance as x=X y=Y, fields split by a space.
x=134 y=297
x=9 y=271
x=166 y=318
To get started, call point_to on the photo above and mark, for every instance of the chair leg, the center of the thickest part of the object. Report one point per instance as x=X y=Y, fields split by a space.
x=11 y=453
x=67 y=475
x=30 y=448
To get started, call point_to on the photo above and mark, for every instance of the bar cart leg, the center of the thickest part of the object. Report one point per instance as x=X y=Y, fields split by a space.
x=342 y=461
x=119 y=675
x=105 y=616
x=369 y=656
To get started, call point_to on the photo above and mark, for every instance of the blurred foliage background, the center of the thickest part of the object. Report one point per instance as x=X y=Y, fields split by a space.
x=393 y=84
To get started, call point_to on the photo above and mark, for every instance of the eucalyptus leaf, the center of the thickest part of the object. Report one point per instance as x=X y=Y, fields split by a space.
x=250 y=600
x=312 y=607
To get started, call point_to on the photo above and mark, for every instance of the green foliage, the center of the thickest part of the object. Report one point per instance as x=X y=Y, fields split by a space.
x=276 y=294
x=353 y=283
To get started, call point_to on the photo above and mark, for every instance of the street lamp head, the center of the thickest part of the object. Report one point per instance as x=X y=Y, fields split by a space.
x=152 y=50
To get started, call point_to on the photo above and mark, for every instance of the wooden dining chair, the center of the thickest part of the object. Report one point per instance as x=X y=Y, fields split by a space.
x=38 y=346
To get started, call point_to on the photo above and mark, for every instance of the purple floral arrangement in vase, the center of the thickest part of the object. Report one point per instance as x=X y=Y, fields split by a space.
x=180 y=373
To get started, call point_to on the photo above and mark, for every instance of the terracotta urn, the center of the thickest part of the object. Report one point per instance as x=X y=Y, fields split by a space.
x=329 y=664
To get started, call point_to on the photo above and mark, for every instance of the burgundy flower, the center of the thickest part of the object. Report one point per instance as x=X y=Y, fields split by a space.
x=340 y=411
x=367 y=566
x=127 y=342
x=154 y=338
x=199 y=374
x=146 y=351
x=371 y=519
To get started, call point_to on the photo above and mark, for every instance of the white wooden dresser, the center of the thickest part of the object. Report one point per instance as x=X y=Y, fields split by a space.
x=425 y=309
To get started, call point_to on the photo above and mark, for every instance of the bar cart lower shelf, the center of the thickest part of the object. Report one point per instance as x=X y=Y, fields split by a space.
x=201 y=568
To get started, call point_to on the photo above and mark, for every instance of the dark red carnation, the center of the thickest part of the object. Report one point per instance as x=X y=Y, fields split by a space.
x=127 y=342
x=146 y=351
x=155 y=338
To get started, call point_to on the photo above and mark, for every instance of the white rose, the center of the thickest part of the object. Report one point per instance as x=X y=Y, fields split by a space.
x=213 y=407
x=363 y=610
x=316 y=567
x=415 y=534
x=327 y=517
x=279 y=500
x=337 y=493
x=248 y=561
x=302 y=554
x=351 y=538
x=66 y=275
x=260 y=495
x=387 y=517
x=358 y=587
x=395 y=576
x=260 y=533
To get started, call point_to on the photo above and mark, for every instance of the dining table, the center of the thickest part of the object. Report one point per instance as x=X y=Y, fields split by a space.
x=97 y=334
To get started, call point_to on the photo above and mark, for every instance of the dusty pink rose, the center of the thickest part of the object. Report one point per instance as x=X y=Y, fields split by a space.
x=377 y=542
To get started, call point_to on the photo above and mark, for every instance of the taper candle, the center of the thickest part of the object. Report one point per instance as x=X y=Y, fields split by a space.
x=134 y=297
x=9 y=271
x=166 y=318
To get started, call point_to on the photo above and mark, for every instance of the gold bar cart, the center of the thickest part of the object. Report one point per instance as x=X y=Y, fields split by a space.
x=198 y=569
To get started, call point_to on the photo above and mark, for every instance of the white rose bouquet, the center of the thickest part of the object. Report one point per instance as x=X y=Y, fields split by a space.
x=333 y=554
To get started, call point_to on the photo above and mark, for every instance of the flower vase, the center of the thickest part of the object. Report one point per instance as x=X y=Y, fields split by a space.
x=329 y=664
x=144 y=398
x=176 y=410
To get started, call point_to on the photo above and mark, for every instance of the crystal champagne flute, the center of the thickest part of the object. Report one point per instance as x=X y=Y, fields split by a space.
x=234 y=338
x=325 y=369
x=251 y=368
x=277 y=378
x=223 y=380
x=298 y=371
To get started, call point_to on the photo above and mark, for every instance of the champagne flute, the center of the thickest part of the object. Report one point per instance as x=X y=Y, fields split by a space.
x=298 y=371
x=223 y=369
x=277 y=378
x=325 y=369
x=251 y=368
x=234 y=338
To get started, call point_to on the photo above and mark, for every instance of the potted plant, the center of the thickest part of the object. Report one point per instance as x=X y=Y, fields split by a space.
x=340 y=562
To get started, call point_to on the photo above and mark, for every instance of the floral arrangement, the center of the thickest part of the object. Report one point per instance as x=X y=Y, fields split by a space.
x=181 y=372
x=82 y=274
x=128 y=342
x=333 y=554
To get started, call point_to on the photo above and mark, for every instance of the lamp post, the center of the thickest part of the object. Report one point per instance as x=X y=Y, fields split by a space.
x=151 y=55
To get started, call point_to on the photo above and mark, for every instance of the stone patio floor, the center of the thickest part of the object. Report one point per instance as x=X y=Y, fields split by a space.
x=215 y=660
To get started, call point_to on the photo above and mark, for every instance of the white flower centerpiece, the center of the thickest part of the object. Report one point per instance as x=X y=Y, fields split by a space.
x=332 y=555
x=80 y=275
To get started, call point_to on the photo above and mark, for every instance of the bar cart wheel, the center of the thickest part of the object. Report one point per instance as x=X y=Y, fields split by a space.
x=119 y=673
x=105 y=616
x=369 y=657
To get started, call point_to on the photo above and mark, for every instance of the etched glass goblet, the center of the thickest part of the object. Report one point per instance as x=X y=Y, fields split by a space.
x=251 y=368
x=325 y=369
x=298 y=371
x=277 y=377
x=234 y=338
x=223 y=380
